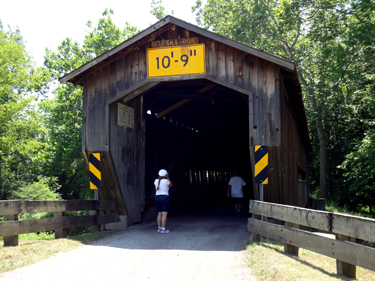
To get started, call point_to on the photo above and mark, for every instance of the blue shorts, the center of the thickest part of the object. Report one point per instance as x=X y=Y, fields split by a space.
x=162 y=203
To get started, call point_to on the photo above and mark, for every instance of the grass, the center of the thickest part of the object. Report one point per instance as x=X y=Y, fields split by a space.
x=32 y=248
x=268 y=261
x=331 y=207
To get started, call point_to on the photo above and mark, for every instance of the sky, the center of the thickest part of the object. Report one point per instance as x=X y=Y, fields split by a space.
x=46 y=23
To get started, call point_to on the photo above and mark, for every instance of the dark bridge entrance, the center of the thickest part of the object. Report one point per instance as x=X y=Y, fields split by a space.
x=200 y=141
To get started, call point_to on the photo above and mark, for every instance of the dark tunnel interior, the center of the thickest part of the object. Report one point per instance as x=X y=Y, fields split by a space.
x=198 y=131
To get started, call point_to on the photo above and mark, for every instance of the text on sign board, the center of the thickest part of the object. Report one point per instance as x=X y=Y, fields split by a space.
x=174 y=42
x=177 y=60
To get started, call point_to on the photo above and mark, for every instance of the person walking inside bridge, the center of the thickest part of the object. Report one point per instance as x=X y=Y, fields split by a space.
x=235 y=190
x=162 y=200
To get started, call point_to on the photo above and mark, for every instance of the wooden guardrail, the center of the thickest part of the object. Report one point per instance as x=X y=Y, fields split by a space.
x=346 y=228
x=11 y=227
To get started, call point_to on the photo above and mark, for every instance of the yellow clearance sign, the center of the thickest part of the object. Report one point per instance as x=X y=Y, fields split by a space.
x=178 y=60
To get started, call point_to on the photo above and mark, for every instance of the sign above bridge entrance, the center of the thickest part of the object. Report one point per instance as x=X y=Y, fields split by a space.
x=178 y=60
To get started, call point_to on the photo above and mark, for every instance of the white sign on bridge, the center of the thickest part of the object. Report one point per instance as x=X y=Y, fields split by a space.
x=125 y=116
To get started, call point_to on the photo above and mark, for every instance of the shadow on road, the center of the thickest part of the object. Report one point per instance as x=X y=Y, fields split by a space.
x=202 y=228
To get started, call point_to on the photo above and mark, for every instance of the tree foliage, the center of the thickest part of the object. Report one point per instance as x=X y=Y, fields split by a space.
x=41 y=140
x=63 y=155
x=158 y=10
x=20 y=122
x=43 y=189
x=332 y=44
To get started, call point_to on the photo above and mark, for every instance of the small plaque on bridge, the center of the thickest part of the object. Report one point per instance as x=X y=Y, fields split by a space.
x=177 y=60
x=125 y=116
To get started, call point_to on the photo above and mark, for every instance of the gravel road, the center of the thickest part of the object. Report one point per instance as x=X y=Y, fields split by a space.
x=202 y=245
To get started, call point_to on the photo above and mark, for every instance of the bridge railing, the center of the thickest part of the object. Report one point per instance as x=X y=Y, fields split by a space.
x=11 y=227
x=346 y=231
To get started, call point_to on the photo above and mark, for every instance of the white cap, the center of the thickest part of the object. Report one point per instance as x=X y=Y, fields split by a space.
x=163 y=172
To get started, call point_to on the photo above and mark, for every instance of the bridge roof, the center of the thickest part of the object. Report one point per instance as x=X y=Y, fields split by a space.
x=154 y=30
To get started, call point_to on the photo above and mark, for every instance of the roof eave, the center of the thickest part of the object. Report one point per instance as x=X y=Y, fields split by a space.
x=111 y=52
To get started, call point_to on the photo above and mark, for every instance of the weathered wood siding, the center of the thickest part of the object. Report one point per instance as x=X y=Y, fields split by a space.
x=278 y=130
x=128 y=153
x=293 y=156
x=224 y=64
x=125 y=177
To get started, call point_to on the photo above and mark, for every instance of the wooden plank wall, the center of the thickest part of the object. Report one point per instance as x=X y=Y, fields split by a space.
x=292 y=154
x=101 y=85
x=128 y=154
x=110 y=187
x=99 y=117
x=223 y=63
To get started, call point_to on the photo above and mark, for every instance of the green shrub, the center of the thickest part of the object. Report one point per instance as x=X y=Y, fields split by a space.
x=44 y=189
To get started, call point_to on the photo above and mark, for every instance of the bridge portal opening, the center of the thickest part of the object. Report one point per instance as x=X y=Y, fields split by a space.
x=199 y=131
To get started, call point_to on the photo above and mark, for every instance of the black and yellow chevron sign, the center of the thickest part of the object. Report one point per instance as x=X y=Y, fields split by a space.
x=95 y=174
x=261 y=164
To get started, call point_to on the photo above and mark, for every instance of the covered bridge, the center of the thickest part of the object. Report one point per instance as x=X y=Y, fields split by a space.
x=180 y=97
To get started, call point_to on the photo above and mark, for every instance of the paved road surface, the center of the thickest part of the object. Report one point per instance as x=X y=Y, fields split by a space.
x=202 y=245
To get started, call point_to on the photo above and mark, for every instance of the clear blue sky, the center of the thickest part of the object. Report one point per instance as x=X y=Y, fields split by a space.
x=45 y=23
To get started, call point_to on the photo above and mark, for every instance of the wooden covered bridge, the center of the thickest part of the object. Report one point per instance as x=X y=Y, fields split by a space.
x=180 y=97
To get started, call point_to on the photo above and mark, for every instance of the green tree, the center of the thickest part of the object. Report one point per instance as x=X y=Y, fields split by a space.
x=326 y=39
x=158 y=10
x=21 y=129
x=106 y=35
x=63 y=154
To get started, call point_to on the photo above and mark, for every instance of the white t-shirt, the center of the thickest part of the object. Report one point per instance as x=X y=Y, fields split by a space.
x=236 y=184
x=163 y=187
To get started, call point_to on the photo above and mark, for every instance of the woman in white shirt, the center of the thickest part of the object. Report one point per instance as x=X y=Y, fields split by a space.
x=162 y=201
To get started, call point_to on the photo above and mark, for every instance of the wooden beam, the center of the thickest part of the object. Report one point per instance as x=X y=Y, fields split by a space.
x=311 y=218
x=182 y=102
x=228 y=85
x=111 y=190
x=290 y=249
x=341 y=250
x=47 y=224
x=344 y=268
x=177 y=95
x=60 y=233
x=178 y=78
x=10 y=207
x=11 y=240
x=134 y=91
x=361 y=228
